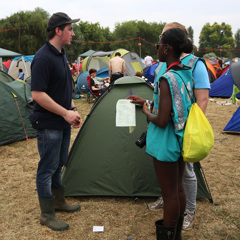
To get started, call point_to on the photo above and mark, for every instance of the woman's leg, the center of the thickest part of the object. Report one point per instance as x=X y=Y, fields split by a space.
x=168 y=177
x=181 y=192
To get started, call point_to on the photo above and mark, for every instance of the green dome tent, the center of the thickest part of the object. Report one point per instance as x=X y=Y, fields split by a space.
x=4 y=77
x=15 y=98
x=104 y=160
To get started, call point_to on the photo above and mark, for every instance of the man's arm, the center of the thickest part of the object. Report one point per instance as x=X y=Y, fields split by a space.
x=202 y=85
x=124 y=68
x=49 y=104
x=110 y=68
x=202 y=97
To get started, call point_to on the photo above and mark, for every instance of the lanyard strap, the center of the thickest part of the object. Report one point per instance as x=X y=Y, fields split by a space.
x=173 y=64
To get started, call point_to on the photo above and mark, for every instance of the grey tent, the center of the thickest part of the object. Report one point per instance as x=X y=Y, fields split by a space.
x=86 y=54
x=133 y=63
x=235 y=71
x=96 y=60
x=104 y=160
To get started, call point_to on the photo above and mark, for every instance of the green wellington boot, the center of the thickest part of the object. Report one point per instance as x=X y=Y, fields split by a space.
x=164 y=232
x=48 y=217
x=60 y=202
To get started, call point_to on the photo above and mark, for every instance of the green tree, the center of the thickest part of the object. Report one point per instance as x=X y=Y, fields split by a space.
x=209 y=55
x=237 y=41
x=190 y=33
x=85 y=33
x=217 y=37
x=29 y=34
x=140 y=30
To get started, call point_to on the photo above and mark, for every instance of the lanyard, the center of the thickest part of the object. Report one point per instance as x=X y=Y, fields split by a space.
x=173 y=64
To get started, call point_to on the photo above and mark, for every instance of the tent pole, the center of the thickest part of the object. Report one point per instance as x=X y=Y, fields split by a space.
x=25 y=66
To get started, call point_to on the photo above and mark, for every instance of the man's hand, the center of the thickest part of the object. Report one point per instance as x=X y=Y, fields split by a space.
x=73 y=118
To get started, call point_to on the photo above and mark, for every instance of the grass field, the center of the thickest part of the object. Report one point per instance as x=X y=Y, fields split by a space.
x=122 y=218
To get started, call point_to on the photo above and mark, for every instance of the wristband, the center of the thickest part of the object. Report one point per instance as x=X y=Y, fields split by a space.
x=74 y=109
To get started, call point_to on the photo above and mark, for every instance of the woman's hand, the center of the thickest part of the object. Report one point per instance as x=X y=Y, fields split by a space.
x=136 y=99
x=145 y=108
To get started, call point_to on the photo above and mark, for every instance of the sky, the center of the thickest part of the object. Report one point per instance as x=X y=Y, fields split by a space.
x=109 y=12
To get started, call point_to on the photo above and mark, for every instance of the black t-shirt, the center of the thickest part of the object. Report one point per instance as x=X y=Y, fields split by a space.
x=51 y=74
x=92 y=83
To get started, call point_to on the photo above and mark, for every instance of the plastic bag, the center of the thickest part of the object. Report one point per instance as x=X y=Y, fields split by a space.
x=198 y=138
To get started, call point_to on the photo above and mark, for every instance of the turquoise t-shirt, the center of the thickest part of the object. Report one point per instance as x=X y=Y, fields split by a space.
x=165 y=144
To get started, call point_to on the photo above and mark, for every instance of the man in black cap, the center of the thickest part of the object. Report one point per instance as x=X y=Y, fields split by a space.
x=53 y=115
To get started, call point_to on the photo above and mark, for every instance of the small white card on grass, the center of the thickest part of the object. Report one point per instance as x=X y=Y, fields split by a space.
x=98 y=228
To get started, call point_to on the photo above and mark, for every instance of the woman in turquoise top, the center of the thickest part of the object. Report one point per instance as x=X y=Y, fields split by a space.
x=172 y=103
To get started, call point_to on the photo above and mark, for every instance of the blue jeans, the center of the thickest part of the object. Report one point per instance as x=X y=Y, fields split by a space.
x=53 y=146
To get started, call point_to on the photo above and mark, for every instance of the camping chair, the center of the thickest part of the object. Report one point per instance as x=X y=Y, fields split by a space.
x=91 y=95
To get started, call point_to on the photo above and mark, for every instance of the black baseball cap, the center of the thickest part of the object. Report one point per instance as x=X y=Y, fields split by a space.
x=58 y=19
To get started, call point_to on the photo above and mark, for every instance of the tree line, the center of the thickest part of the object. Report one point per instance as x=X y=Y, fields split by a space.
x=25 y=32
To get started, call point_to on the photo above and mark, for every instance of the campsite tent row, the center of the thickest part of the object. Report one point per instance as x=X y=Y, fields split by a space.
x=211 y=67
x=18 y=62
x=223 y=86
x=100 y=59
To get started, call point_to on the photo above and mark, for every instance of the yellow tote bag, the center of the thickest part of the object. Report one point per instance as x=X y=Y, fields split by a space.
x=198 y=138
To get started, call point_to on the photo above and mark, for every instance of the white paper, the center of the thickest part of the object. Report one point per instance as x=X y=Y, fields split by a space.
x=98 y=228
x=125 y=113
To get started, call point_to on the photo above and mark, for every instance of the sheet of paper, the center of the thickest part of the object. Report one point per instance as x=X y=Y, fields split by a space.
x=98 y=228
x=125 y=113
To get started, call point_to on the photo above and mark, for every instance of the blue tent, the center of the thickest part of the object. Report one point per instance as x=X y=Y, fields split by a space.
x=223 y=86
x=82 y=84
x=233 y=125
x=103 y=72
x=149 y=72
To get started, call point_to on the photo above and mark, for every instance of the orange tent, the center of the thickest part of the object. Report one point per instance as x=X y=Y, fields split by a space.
x=211 y=71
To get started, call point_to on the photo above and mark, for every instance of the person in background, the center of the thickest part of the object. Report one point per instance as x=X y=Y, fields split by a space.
x=97 y=84
x=201 y=92
x=148 y=60
x=220 y=62
x=73 y=71
x=20 y=75
x=218 y=72
x=53 y=115
x=166 y=128
x=140 y=74
x=117 y=67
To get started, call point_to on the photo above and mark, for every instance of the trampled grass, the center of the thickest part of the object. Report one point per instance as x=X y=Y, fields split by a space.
x=122 y=218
